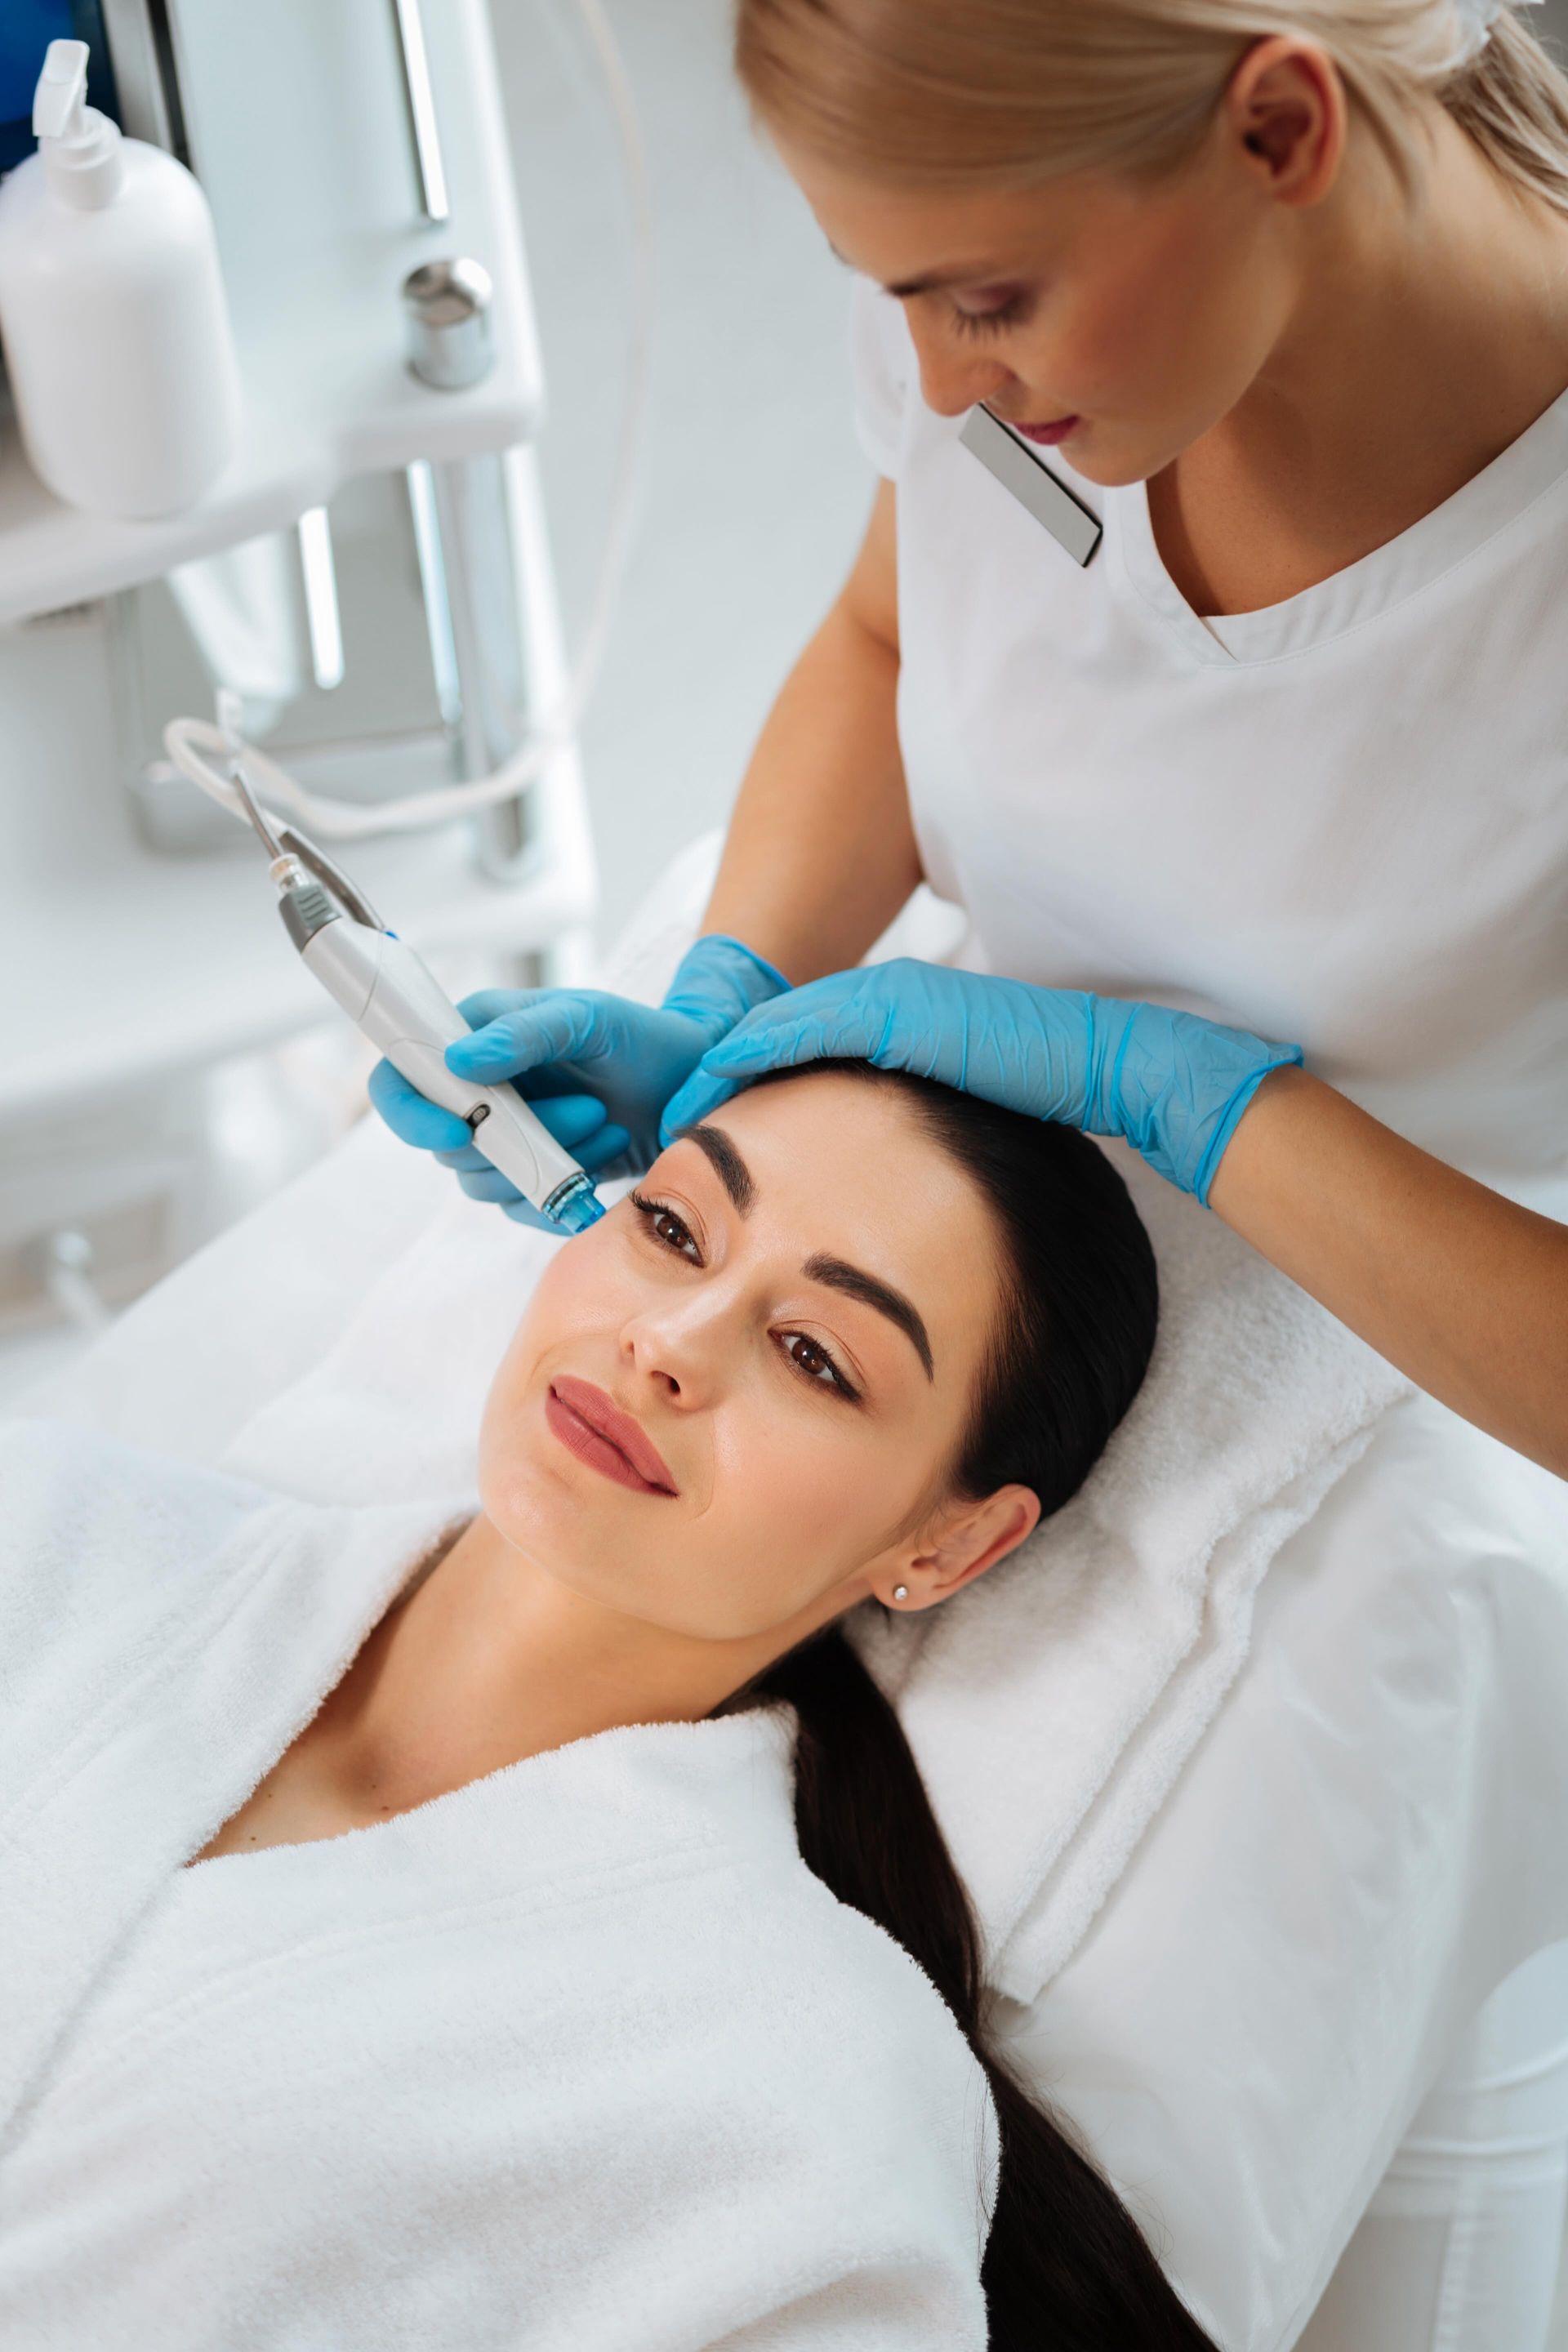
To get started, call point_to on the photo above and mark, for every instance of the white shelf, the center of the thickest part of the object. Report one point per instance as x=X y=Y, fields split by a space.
x=318 y=223
x=122 y=969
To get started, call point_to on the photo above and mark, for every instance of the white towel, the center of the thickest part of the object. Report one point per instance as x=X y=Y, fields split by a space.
x=1079 y=1676
x=577 y=2058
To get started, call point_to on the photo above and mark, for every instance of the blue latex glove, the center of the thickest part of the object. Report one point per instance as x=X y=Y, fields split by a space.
x=597 y=1069
x=1172 y=1083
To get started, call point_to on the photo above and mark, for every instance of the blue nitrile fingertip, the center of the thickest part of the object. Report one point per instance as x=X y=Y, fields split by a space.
x=471 y=1057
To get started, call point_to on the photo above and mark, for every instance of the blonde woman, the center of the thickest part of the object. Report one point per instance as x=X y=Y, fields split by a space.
x=1248 y=761
x=1283 y=289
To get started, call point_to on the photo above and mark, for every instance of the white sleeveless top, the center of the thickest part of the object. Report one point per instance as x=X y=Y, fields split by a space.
x=1341 y=821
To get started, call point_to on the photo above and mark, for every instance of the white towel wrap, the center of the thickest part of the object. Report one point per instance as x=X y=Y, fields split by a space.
x=578 y=2057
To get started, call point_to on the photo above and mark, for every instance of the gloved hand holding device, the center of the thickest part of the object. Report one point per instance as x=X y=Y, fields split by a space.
x=597 y=1069
x=1173 y=1084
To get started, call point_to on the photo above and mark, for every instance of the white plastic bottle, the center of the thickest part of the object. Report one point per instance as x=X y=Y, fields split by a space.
x=113 y=314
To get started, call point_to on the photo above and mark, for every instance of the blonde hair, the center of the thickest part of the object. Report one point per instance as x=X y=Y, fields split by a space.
x=1008 y=92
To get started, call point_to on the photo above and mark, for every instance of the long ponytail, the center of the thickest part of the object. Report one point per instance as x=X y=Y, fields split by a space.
x=1066 y=2264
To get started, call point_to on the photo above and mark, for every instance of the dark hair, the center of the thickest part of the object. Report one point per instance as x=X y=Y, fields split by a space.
x=1066 y=2265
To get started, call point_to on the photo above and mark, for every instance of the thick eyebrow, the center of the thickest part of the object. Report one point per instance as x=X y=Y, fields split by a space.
x=725 y=1161
x=856 y=1284
x=935 y=279
x=835 y=1273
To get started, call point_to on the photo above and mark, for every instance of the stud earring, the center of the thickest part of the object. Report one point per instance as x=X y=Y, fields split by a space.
x=900 y=1591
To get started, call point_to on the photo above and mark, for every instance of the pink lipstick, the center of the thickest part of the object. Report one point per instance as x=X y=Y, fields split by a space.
x=591 y=1426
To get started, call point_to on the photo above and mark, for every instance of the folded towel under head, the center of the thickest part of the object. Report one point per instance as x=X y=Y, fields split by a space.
x=1052 y=1707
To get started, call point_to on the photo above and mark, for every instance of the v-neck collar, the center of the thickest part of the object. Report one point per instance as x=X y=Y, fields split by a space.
x=238 y=1611
x=1528 y=469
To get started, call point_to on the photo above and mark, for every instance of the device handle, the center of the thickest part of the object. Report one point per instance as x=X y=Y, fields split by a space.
x=395 y=999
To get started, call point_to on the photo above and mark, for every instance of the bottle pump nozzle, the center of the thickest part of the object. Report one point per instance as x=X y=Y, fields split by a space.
x=60 y=102
x=80 y=147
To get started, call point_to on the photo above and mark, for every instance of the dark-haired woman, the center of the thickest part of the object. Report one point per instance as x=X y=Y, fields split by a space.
x=506 y=2002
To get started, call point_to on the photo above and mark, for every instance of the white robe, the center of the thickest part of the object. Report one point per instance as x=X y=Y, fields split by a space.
x=579 y=2056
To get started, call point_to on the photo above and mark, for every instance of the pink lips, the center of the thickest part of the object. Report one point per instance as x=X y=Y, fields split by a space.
x=591 y=1426
x=1050 y=435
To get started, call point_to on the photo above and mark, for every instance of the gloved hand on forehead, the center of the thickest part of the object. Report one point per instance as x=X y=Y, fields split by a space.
x=597 y=1069
x=1173 y=1084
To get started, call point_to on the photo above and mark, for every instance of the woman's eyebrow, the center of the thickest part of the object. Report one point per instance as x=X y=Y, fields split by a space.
x=837 y=1275
x=725 y=1161
x=933 y=280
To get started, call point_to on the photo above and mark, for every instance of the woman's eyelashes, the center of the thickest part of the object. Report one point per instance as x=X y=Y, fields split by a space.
x=1010 y=314
x=671 y=1232
x=811 y=1359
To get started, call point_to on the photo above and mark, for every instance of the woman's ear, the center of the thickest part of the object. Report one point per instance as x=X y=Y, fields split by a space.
x=1285 y=105
x=967 y=1540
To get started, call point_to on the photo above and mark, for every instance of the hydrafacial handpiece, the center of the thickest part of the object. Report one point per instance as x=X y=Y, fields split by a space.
x=393 y=998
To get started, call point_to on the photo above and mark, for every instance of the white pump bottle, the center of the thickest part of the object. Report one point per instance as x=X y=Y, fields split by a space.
x=112 y=312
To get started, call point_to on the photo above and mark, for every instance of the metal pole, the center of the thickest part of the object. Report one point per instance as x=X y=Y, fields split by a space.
x=486 y=634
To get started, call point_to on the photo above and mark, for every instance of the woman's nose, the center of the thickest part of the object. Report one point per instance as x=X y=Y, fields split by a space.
x=953 y=380
x=679 y=1345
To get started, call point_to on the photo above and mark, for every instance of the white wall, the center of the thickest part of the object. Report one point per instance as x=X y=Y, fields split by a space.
x=755 y=494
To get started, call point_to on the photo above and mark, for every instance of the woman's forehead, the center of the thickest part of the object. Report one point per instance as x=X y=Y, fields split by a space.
x=893 y=233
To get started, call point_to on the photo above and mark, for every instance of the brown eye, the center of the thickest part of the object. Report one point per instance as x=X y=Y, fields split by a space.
x=812 y=1359
x=665 y=1227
